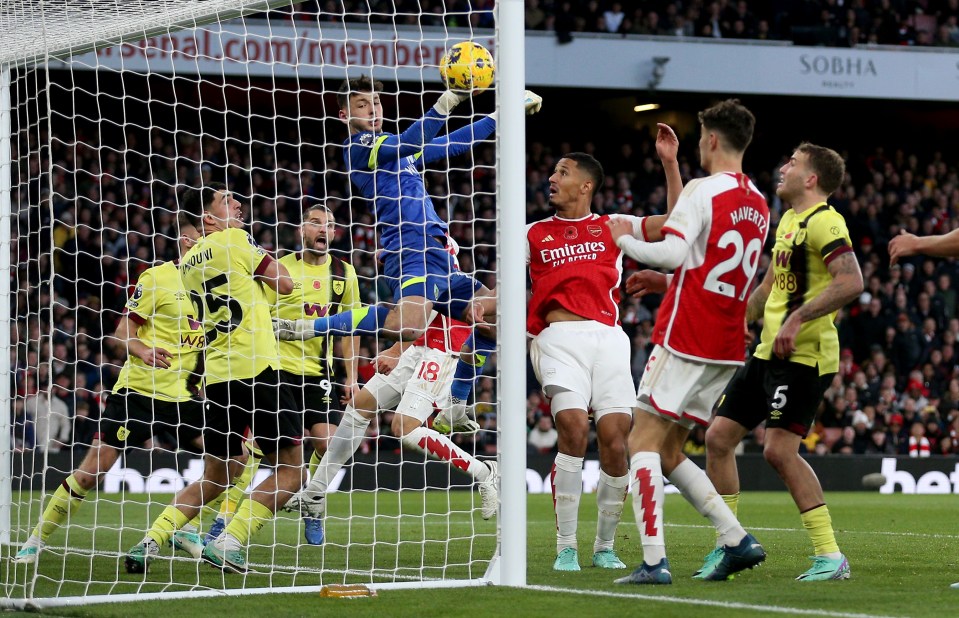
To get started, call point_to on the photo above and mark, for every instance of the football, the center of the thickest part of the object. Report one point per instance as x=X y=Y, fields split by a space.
x=874 y=480
x=467 y=66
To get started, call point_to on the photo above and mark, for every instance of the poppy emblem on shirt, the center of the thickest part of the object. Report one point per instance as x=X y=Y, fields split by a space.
x=571 y=233
x=317 y=284
x=595 y=230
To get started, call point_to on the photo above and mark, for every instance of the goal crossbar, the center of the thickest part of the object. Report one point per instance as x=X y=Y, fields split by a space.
x=58 y=29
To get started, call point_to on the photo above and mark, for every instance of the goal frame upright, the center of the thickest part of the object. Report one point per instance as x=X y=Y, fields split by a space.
x=60 y=41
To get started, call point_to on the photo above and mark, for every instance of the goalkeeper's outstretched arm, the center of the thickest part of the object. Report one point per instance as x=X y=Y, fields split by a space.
x=389 y=148
x=462 y=139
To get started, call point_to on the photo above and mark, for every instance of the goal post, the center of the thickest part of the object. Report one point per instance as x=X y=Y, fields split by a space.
x=109 y=109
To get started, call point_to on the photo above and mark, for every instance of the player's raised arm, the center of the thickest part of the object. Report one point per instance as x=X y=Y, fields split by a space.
x=667 y=147
x=462 y=139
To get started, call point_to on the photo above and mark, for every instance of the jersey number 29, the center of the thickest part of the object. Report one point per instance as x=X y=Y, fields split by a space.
x=747 y=259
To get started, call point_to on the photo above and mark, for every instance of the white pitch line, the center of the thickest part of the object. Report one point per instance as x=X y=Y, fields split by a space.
x=923 y=535
x=919 y=535
x=774 y=609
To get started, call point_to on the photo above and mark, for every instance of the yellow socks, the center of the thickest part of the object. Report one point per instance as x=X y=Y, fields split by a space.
x=732 y=501
x=249 y=519
x=169 y=521
x=314 y=462
x=63 y=503
x=818 y=525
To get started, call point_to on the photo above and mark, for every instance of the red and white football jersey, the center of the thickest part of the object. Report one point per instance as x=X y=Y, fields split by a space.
x=724 y=219
x=574 y=264
x=439 y=336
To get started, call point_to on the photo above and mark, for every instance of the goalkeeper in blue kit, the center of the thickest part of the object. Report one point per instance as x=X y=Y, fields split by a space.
x=387 y=169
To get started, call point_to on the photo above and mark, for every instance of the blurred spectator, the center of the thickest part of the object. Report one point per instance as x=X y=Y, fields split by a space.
x=918 y=442
x=542 y=439
x=51 y=420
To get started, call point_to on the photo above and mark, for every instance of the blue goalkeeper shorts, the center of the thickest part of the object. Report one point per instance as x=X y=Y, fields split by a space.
x=430 y=273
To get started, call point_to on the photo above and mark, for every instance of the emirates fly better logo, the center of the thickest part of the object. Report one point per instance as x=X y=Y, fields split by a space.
x=578 y=252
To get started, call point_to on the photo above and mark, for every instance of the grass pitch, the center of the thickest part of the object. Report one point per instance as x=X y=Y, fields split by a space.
x=904 y=552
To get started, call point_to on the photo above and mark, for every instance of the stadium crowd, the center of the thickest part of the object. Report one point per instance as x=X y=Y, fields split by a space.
x=898 y=390
x=833 y=23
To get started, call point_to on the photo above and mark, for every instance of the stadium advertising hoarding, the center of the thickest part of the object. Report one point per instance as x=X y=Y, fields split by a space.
x=665 y=63
x=167 y=473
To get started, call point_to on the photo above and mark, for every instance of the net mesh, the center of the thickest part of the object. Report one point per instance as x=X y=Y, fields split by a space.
x=103 y=143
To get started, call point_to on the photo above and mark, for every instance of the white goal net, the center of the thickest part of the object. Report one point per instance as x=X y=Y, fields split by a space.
x=109 y=111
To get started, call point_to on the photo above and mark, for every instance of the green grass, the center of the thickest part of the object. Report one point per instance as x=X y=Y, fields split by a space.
x=904 y=552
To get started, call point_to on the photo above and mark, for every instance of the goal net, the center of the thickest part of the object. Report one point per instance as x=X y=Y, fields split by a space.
x=109 y=110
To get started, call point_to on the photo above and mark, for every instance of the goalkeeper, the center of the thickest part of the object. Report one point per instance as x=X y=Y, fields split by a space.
x=387 y=169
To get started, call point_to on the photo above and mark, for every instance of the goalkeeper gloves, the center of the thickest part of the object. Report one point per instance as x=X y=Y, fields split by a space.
x=533 y=102
x=448 y=100
x=294 y=330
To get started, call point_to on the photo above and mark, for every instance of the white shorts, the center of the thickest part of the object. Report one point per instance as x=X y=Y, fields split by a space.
x=682 y=390
x=588 y=359
x=421 y=379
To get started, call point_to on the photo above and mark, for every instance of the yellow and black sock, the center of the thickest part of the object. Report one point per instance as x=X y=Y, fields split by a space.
x=63 y=503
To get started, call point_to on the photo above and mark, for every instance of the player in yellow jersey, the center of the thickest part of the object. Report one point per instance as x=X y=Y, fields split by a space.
x=813 y=274
x=323 y=284
x=225 y=274
x=154 y=391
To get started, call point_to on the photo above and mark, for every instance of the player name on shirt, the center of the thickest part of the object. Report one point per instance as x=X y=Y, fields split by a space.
x=752 y=215
x=197 y=259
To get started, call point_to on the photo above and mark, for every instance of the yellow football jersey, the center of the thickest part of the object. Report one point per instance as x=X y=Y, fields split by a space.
x=166 y=319
x=311 y=296
x=218 y=273
x=805 y=245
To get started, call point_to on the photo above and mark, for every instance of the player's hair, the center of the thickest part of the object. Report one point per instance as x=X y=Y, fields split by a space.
x=196 y=200
x=826 y=163
x=732 y=120
x=354 y=85
x=592 y=167
x=311 y=203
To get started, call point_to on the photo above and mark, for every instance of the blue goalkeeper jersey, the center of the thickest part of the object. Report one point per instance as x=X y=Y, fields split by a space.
x=387 y=169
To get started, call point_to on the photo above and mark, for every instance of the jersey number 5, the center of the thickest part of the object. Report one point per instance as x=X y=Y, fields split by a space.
x=214 y=303
x=747 y=259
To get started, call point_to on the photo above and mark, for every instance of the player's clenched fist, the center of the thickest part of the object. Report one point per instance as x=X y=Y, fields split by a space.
x=645 y=282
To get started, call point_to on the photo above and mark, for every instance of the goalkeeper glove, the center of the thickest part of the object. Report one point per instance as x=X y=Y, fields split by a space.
x=448 y=100
x=294 y=330
x=533 y=102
